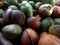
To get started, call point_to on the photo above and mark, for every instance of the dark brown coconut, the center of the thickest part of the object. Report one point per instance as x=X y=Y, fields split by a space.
x=56 y=11
x=7 y=15
x=2 y=23
x=4 y=41
x=18 y=17
x=29 y=37
x=34 y=22
x=14 y=16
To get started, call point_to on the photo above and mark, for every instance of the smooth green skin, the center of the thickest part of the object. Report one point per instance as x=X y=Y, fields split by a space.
x=32 y=3
x=46 y=23
x=57 y=21
x=13 y=2
x=12 y=31
x=13 y=7
x=1 y=13
x=52 y=2
x=27 y=9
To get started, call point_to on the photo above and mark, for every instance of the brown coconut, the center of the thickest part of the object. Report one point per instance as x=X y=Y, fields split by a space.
x=34 y=22
x=29 y=37
x=48 y=39
x=56 y=11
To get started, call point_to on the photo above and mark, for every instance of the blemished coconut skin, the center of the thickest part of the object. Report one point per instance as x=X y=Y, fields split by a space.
x=34 y=22
x=55 y=30
x=56 y=11
x=45 y=10
x=48 y=39
x=29 y=37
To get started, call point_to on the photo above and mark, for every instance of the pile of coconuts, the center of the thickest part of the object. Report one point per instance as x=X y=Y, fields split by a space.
x=29 y=22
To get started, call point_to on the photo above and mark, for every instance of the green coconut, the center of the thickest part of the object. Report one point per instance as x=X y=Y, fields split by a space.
x=38 y=4
x=57 y=21
x=46 y=23
x=13 y=7
x=52 y=2
x=32 y=3
x=13 y=2
x=27 y=9
x=12 y=31
x=1 y=13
